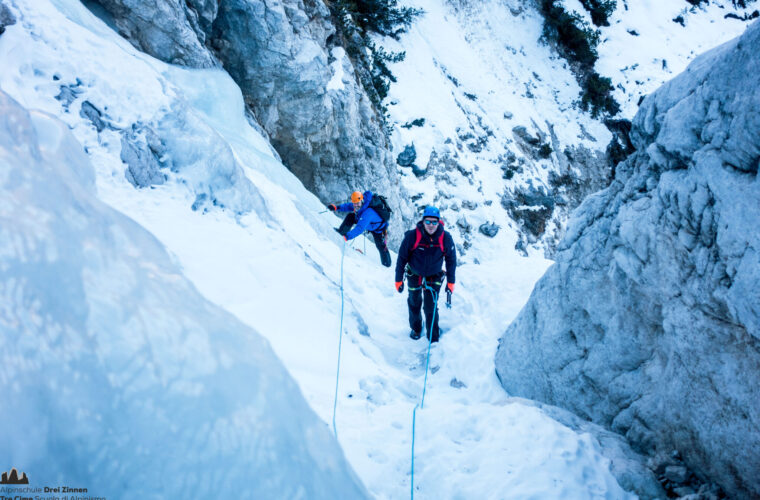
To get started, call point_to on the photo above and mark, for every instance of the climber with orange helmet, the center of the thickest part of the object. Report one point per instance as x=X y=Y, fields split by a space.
x=367 y=212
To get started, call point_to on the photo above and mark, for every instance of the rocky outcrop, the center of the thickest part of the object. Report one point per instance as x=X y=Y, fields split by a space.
x=649 y=322
x=170 y=30
x=299 y=85
x=305 y=95
x=6 y=18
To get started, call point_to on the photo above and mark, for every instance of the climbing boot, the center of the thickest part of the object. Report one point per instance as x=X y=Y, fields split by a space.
x=415 y=335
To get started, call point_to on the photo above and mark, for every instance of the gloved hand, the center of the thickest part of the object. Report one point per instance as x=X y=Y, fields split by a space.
x=332 y=207
x=450 y=286
x=399 y=286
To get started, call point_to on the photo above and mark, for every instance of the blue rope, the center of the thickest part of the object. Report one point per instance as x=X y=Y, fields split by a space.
x=424 y=385
x=340 y=339
x=432 y=322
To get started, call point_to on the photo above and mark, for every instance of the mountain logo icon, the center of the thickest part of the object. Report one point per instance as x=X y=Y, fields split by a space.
x=12 y=477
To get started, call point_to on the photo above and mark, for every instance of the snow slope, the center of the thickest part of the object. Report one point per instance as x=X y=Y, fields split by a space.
x=271 y=258
x=645 y=47
x=477 y=69
x=118 y=376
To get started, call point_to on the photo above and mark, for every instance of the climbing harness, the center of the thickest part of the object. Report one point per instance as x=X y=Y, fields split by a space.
x=427 y=363
x=340 y=339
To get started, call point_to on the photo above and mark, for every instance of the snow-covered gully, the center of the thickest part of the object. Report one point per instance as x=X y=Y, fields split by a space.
x=254 y=242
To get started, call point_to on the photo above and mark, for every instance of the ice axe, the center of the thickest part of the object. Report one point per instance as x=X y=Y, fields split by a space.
x=448 y=298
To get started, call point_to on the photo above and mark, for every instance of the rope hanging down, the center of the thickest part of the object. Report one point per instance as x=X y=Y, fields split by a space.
x=424 y=385
x=340 y=339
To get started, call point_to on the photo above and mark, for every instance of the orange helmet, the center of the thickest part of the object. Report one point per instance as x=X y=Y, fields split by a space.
x=357 y=197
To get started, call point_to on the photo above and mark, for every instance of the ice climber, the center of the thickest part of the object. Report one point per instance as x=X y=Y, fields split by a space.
x=421 y=257
x=369 y=213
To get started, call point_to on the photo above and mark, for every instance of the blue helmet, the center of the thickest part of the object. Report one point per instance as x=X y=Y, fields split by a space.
x=431 y=211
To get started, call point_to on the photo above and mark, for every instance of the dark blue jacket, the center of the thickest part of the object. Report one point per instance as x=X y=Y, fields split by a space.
x=427 y=259
x=366 y=218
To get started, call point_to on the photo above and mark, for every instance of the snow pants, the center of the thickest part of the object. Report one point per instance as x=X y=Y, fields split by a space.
x=381 y=238
x=417 y=291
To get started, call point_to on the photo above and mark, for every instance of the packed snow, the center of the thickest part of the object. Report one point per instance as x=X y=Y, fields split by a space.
x=253 y=241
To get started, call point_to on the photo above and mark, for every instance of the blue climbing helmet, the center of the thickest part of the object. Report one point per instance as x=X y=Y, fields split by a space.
x=431 y=211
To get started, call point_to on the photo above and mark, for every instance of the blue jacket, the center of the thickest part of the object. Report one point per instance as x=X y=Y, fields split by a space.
x=366 y=218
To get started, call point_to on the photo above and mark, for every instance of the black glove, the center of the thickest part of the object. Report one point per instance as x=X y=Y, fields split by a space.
x=331 y=207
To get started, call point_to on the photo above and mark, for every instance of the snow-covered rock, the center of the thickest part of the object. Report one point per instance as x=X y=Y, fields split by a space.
x=300 y=86
x=649 y=322
x=117 y=375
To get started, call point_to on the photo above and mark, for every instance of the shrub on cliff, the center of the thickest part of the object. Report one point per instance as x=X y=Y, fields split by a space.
x=573 y=36
x=597 y=96
x=356 y=20
x=600 y=10
x=576 y=41
x=383 y=17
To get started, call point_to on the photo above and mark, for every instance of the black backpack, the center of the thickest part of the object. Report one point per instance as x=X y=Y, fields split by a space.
x=380 y=205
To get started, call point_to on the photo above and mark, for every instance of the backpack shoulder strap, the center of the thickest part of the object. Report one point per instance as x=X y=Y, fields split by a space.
x=417 y=239
x=440 y=242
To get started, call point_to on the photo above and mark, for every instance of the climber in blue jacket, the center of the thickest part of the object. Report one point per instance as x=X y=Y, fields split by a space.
x=365 y=218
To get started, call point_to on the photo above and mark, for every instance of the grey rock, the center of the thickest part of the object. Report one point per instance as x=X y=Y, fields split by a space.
x=6 y=18
x=532 y=208
x=649 y=321
x=535 y=147
x=464 y=225
x=520 y=247
x=444 y=164
x=68 y=94
x=457 y=384
x=143 y=163
x=522 y=133
x=420 y=172
x=677 y=474
x=166 y=29
x=489 y=229
x=407 y=156
x=93 y=114
x=476 y=138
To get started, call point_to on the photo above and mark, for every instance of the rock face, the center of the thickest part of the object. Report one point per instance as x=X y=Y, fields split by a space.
x=6 y=18
x=300 y=87
x=649 y=322
x=170 y=30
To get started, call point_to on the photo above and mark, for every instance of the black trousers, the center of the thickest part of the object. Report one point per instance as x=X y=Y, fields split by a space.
x=381 y=241
x=417 y=291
